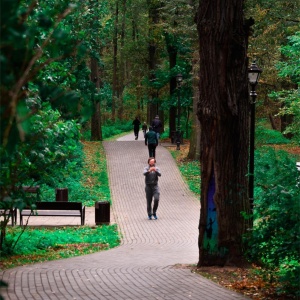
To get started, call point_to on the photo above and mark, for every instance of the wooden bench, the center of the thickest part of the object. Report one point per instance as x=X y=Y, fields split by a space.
x=55 y=209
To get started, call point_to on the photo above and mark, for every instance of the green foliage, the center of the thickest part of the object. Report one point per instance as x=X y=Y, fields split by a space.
x=38 y=240
x=265 y=136
x=291 y=107
x=290 y=67
x=114 y=128
x=275 y=238
x=190 y=170
x=289 y=99
x=191 y=173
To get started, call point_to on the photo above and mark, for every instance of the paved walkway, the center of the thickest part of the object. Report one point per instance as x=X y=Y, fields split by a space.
x=146 y=264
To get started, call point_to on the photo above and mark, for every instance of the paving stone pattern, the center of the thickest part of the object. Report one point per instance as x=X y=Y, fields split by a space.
x=148 y=263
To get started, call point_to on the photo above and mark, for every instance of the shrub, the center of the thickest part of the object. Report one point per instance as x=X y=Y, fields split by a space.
x=275 y=238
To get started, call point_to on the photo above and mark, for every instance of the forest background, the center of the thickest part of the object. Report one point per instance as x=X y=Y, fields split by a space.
x=83 y=70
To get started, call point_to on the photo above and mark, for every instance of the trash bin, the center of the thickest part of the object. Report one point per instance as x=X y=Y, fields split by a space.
x=61 y=194
x=102 y=212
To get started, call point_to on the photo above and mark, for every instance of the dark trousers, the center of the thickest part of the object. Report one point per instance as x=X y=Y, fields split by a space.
x=152 y=192
x=136 y=132
x=151 y=149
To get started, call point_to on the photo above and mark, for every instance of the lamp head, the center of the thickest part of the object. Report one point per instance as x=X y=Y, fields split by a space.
x=179 y=79
x=253 y=73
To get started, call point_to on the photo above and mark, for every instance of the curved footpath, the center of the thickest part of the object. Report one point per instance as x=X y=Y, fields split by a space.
x=147 y=263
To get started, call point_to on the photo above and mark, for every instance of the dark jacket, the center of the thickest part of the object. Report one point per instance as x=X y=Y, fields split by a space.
x=156 y=125
x=151 y=138
x=136 y=123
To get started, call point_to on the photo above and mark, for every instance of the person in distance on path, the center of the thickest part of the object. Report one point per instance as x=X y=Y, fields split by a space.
x=157 y=126
x=144 y=128
x=151 y=173
x=152 y=141
x=136 y=127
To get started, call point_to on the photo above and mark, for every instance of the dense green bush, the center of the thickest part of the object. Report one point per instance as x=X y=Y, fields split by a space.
x=114 y=128
x=275 y=238
x=110 y=129
x=265 y=136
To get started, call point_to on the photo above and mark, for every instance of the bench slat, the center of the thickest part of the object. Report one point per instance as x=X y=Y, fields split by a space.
x=60 y=208
x=60 y=205
x=37 y=213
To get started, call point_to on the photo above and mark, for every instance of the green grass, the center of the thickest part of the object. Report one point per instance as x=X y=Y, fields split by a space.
x=44 y=244
x=190 y=171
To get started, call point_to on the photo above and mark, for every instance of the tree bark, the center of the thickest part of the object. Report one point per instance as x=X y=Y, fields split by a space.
x=194 y=150
x=152 y=108
x=122 y=70
x=96 y=133
x=223 y=111
x=172 y=52
x=115 y=64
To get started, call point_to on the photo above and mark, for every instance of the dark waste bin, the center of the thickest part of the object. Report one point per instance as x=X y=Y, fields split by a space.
x=102 y=212
x=61 y=194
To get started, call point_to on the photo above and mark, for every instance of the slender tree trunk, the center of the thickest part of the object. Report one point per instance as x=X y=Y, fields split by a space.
x=115 y=63
x=96 y=134
x=153 y=6
x=122 y=71
x=223 y=111
x=172 y=51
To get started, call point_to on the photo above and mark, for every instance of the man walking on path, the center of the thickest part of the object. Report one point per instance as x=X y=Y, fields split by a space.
x=151 y=140
x=148 y=251
x=136 y=127
x=157 y=126
x=151 y=173
x=144 y=128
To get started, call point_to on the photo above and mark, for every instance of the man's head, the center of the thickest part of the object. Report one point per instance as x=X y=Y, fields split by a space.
x=150 y=128
x=151 y=161
x=157 y=117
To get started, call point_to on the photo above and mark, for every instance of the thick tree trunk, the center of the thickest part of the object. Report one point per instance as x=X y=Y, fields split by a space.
x=223 y=111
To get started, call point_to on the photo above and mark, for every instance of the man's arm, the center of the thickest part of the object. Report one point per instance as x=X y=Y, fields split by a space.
x=158 y=171
x=146 y=171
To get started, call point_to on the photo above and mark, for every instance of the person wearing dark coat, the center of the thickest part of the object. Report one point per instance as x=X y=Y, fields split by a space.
x=157 y=126
x=144 y=128
x=151 y=173
x=136 y=127
x=152 y=141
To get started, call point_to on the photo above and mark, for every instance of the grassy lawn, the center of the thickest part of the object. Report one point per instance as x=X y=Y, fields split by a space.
x=43 y=244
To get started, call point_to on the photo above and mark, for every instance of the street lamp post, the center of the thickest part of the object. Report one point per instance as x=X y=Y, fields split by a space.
x=178 y=134
x=253 y=75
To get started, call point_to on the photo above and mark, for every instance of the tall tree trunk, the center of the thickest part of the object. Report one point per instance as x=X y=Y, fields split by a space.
x=96 y=133
x=153 y=7
x=122 y=71
x=172 y=51
x=223 y=111
x=194 y=151
x=115 y=64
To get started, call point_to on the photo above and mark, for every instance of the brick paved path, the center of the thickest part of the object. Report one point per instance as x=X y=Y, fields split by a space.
x=145 y=266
